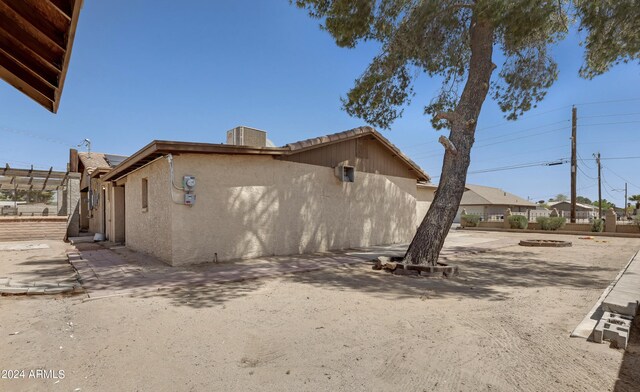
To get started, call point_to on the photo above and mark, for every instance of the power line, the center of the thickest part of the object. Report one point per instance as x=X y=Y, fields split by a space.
x=524 y=118
x=518 y=166
x=611 y=115
x=585 y=174
x=610 y=123
x=622 y=178
x=583 y=160
x=498 y=136
x=612 y=101
x=30 y=134
x=494 y=143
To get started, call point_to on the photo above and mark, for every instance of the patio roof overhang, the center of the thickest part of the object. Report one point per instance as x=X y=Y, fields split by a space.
x=36 y=37
x=31 y=179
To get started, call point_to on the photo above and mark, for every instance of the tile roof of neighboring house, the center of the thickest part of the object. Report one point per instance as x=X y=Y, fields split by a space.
x=485 y=195
x=159 y=148
x=585 y=206
x=315 y=142
x=96 y=160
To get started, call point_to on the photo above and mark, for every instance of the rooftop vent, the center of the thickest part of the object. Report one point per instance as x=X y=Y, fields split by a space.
x=247 y=136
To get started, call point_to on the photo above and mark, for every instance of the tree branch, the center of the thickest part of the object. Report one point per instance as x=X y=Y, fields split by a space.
x=449 y=116
x=446 y=143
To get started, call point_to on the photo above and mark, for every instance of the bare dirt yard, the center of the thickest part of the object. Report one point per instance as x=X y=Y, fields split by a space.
x=502 y=325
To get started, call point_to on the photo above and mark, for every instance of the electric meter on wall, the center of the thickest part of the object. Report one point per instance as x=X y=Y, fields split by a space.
x=188 y=183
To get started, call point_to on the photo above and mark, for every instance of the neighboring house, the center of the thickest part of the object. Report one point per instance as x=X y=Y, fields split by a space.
x=583 y=211
x=198 y=202
x=488 y=201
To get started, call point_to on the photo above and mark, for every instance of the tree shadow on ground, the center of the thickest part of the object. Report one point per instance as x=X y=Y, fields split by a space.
x=206 y=295
x=485 y=276
x=42 y=269
x=629 y=374
x=490 y=275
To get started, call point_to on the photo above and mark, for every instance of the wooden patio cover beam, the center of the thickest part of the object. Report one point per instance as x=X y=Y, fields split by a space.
x=36 y=37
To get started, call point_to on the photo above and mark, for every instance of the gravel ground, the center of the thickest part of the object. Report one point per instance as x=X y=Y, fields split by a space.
x=502 y=325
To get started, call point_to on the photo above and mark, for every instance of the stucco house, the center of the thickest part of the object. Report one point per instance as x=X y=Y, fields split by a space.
x=200 y=202
x=487 y=201
x=92 y=166
x=583 y=211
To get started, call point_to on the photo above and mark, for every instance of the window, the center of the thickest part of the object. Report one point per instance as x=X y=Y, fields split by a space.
x=145 y=194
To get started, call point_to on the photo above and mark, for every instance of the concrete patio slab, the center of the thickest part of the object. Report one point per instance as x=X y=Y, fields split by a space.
x=108 y=271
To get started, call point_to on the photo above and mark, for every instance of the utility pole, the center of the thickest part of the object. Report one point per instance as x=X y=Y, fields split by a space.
x=599 y=185
x=574 y=161
x=626 y=213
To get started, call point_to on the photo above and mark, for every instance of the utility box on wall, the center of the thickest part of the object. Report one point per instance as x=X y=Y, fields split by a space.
x=345 y=173
x=189 y=199
x=189 y=186
x=188 y=183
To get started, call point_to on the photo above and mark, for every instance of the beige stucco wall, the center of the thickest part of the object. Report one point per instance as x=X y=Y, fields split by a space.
x=250 y=206
x=149 y=230
x=424 y=198
x=115 y=213
x=96 y=213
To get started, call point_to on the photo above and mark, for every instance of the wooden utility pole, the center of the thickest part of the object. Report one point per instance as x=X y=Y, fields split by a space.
x=574 y=162
x=599 y=185
x=626 y=213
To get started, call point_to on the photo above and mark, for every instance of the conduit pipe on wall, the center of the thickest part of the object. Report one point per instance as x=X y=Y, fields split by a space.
x=172 y=184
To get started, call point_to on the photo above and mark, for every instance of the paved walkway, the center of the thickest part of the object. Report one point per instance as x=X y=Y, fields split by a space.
x=35 y=267
x=119 y=271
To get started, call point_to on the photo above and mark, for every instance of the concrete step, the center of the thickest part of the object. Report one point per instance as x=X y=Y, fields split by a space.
x=625 y=295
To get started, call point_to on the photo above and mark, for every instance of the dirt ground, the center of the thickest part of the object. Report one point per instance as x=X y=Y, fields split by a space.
x=502 y=325
x=29 y=261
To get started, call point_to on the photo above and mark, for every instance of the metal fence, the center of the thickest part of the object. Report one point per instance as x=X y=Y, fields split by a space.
x=630 y=220
x=20 y=202
x=581 y=216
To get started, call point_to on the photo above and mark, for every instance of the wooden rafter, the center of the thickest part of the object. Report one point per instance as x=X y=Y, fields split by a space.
x=44 y=185
x=36 y=38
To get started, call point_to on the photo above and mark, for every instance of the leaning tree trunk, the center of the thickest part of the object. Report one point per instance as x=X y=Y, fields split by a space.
x=429 y=239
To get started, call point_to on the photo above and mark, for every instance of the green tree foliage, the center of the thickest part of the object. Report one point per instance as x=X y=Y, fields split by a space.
x=605 y=204
x=583 y=200
x=560 y=197
x=453 y=43
x=26 y=195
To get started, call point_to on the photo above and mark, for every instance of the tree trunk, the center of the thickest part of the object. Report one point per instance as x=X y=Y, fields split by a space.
x=429 y=239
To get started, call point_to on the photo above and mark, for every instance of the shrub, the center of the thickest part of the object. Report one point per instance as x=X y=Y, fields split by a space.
x=597 y=226
x=470 y=220
x=518 y=222
x=551 y=223
x=636 y=219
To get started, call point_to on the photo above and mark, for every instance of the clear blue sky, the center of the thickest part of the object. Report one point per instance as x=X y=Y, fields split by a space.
x=146 y=70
